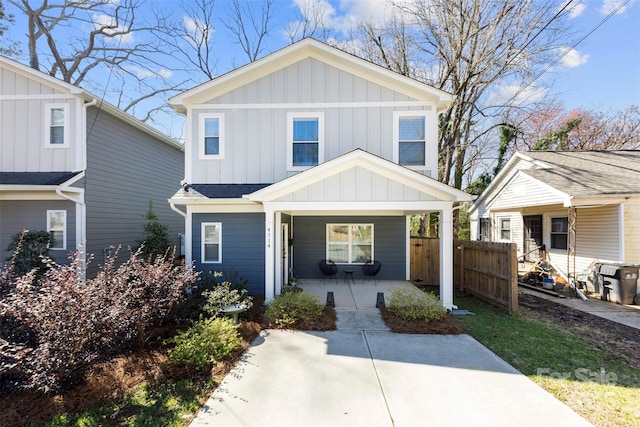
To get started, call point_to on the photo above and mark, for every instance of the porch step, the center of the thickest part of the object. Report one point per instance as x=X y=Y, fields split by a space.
x=360 y=320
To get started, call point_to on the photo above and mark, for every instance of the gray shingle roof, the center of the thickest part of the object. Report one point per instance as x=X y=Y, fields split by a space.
x=589 y=173
x=35 y=178
x=227 y=191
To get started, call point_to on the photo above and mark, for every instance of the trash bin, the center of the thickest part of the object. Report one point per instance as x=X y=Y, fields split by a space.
x=617 y=282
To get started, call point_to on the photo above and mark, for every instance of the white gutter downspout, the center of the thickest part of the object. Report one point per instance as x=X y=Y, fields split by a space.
x=81 y=213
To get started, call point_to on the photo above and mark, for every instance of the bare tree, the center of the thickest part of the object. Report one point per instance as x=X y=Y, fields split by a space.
x=310 y=22
x=8 y=47
x=250 y=26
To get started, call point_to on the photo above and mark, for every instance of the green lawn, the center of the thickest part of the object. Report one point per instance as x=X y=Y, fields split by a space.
x=601 y=386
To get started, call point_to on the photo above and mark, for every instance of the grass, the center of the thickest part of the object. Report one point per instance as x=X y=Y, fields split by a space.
x=171 y=405
x=599 y=385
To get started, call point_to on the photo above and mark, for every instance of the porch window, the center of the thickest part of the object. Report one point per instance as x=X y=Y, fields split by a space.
x=505 y=229
x=56 y=126
x=212 y=242
x=559 y=232
x=211 y=136
x=410 y=139
x=350 y=243
x=57 y=228
x=306 y=140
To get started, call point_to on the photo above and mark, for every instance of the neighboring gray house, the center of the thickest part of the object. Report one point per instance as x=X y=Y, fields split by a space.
x=588 y=201
x=79 y=167
x=307 y=154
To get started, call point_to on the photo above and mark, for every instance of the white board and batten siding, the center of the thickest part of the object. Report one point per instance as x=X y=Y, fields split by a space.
x=357 y=114
x=23 y=103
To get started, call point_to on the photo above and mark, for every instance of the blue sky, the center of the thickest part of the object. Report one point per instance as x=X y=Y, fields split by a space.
x=602 y=73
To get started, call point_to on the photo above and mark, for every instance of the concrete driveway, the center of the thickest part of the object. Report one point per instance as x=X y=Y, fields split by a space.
x=364 y=375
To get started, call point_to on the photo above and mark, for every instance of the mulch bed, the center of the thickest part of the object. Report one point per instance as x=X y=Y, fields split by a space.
x=326 y=322
x=446 y=326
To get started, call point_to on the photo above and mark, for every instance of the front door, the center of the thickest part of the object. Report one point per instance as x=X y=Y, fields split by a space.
x=532 y=237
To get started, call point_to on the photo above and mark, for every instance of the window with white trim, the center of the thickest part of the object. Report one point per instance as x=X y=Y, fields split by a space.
x=211 y=131
x=559 y=232
x=410 y=140
x=350 y=243
x=57 y=228
x=211 y=242
x=305 y=134
x=56 y=125
x=505 y=228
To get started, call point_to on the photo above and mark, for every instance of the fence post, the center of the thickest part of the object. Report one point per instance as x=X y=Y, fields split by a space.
x=513 y=279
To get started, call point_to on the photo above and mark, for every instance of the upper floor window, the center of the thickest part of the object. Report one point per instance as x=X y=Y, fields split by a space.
x=57 y=227
x=559 y=232
x=410 y=138
x=211 y=133
x=56 y=125
x=211 y=242
x=305 y=146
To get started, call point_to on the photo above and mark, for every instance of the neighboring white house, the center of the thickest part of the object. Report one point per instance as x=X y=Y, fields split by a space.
x=307 y=154
x=539 y=195
x=78 y=167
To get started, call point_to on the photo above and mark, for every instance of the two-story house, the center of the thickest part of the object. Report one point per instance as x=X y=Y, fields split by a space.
x=311 y=153
x=78 y=167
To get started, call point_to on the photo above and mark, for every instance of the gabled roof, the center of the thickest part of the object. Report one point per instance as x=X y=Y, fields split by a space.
x=577 y=174
x=360 y=158
x=310 y=48
x=65 y=87
x=35 y=178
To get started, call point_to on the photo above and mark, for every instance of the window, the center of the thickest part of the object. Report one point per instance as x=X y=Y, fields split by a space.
x=350 y=243
x=212 y=242
x=212 y=136
x=57 y=227
x=485 y=229
x=559 y=232
x=56 y=133
x=306 y=140
x=410 y=139
x=505 y=229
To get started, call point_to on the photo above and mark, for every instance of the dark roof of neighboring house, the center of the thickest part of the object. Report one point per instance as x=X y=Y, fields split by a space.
x=35 y=178
x=227 y=191
x=588 y=173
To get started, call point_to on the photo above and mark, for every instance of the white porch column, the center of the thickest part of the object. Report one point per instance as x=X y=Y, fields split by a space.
x=277 y=251
x=446 y=258
x=269 y=258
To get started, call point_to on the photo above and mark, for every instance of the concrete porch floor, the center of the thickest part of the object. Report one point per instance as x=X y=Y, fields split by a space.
x=352 y=295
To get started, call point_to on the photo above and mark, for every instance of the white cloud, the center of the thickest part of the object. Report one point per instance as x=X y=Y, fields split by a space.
x=102 y=21
x=609 y=6
x=349 y=13
x=576 y=9
x=142 y=73
x=515 y=95
x=572 y=58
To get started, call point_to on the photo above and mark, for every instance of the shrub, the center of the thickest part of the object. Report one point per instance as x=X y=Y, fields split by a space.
x=289 y=308
x=206 y=342
x=412 y=304
x=61 y=324
x=155 y=240
x=222 y=295
x=30 y=250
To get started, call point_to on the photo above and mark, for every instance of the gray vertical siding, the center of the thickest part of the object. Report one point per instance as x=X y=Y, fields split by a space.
x=126 y=168
x=18 y=215
x=309 y=237
x=242 y=246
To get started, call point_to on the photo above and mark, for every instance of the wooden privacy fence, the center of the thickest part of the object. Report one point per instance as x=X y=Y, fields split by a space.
x=487 y=270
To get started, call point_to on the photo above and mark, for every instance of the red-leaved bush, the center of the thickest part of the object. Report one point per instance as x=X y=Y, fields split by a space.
x=53 y=328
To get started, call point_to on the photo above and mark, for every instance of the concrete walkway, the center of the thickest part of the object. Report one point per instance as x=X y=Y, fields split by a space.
x=625 y=314
x=364 y=375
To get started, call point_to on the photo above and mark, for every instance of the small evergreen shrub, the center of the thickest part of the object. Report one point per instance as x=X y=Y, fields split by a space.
x=30 y=250
x=222 y=295
x=412 y=304
x=155 y=240
x=206 y=342
x=292 y=307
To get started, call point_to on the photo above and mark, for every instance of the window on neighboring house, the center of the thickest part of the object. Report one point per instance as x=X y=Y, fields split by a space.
x=485 y=229
x=410 y=139
x=212 y=242
x=56 y=125
x=350 y=243
x=505 y=229
x=306 y=140
x=559 y=232
x=57 y=227
x=212 y=136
